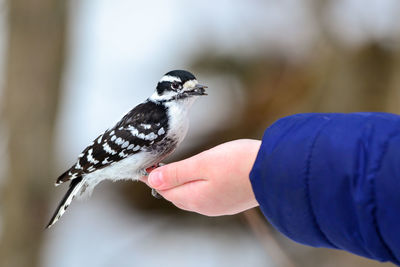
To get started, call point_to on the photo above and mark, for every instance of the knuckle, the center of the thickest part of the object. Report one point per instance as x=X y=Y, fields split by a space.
x=168 y=175
x=173 y=177
x=175 y=174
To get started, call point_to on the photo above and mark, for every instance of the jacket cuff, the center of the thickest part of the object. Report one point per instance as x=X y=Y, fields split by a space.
x=279 y=176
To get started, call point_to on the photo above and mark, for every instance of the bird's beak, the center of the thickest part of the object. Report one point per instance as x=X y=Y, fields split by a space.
x=198 y=90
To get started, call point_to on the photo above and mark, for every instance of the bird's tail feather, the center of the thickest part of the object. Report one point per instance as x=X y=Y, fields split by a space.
x=74 y=188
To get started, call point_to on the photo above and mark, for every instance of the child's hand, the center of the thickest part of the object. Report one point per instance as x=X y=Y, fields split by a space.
x=214 y=182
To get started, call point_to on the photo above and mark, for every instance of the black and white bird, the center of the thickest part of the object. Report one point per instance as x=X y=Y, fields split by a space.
x=141 y=139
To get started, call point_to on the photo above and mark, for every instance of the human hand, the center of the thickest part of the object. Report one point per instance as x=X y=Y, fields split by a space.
x=213 y=183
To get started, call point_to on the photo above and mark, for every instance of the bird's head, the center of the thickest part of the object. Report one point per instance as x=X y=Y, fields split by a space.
x=177 y=85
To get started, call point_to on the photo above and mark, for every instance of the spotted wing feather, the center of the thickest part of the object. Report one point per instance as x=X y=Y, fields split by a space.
x=138 y=130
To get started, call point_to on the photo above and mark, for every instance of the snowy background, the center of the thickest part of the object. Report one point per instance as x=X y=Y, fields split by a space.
x=116 y=52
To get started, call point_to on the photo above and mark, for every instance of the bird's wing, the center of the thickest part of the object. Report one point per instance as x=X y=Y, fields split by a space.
x=138 y=130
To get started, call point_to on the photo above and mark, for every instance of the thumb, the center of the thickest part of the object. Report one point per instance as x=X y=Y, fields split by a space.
x=175 y=174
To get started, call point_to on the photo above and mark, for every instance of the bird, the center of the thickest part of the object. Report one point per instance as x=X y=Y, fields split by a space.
x=140 y=140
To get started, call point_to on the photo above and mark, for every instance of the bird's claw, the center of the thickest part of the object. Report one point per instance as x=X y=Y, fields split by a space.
x=155 y=194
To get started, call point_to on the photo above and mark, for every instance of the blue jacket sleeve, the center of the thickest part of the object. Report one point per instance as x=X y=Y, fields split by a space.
x=333 y=180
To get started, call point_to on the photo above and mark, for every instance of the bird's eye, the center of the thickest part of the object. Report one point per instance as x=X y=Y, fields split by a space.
x=175 y=85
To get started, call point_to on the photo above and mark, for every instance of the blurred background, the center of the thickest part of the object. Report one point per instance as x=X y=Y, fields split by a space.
x=70 y=69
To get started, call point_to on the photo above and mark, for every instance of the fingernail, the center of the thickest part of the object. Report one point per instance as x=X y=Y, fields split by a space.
x=155 y=179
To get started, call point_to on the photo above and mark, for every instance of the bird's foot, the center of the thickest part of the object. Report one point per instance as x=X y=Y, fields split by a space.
x=144 y=172
x=154 y=192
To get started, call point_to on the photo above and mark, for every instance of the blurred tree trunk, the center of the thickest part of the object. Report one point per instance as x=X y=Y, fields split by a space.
x=357 y=81
x=393 y=99
x=32 y=79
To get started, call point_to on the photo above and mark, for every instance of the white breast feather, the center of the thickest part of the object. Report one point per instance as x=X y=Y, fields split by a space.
x=178 y=118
